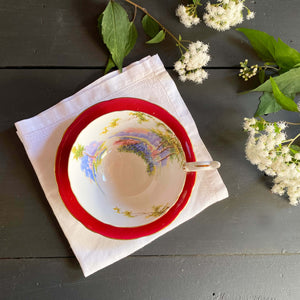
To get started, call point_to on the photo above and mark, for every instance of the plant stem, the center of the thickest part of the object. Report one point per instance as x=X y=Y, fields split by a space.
x=135 y=9
x=163 y=27
x=293 y=140
x=270 y=67
x=291 y=123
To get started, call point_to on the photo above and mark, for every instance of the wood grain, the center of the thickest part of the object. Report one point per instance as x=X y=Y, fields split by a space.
x=235 y=277
x=64 y=33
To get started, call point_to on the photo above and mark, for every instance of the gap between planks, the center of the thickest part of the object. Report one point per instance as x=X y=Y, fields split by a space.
x=92 y=68
x=165 y=255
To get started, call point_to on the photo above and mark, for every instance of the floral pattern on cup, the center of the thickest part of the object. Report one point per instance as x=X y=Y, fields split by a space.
x=157 y=211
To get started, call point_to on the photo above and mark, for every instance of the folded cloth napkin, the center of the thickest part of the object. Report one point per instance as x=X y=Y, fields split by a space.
x=145 y=79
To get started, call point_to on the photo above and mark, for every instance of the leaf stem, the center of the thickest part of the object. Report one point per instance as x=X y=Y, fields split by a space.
x=163 y=27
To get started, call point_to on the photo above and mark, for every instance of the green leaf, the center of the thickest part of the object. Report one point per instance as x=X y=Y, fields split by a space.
x=288 y=83
x=117 y=32
x=296 y=66
x=158 y=38
x=110 y=64
x=262 y=43
x=267 y=105
x=261 y=124
x=197 y=2
x=99 y=25
x=268 y=49
x=132 y=36
x=267 y=63
x=277 y=129
x=150 y=27
x=294 y=149
x=284 y=101
x=285 y=56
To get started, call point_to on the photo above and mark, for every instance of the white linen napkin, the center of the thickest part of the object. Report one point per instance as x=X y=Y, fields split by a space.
x=145 y=79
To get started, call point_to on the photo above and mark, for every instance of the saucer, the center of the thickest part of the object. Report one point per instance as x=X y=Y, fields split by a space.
x=119 y=168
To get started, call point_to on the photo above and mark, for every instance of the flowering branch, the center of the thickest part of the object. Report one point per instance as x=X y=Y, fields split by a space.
x=190 y=65
x=267 y=145
x=119 y=34
x=265 y=148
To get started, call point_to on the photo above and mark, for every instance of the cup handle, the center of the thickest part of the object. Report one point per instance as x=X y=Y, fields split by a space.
x=196 y=166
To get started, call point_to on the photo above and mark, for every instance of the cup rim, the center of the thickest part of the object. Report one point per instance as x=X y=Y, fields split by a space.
x=62 y=159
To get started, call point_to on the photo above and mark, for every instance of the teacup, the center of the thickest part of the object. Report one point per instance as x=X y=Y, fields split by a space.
x=128 y=168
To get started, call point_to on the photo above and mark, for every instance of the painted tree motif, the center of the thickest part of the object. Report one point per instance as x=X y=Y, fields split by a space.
x=169 y=146
x=90 y=157
x=154 y=146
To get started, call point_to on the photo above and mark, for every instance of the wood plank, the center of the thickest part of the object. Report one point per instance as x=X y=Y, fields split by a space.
x=237 y=277
x=64 y=33
x=251 y=220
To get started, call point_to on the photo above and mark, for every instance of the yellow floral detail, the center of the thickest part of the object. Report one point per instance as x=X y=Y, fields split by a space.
x=117 y=209
x=113 y=123
x=140 y=116
x=157 y=210
x=77 y=151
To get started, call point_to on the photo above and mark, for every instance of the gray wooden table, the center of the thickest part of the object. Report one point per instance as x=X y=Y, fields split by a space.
x=245 y=247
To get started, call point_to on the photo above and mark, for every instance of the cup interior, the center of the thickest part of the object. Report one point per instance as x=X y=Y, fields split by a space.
x=125 y=168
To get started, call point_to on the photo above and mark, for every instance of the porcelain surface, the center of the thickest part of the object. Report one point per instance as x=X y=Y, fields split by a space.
x=125 y=168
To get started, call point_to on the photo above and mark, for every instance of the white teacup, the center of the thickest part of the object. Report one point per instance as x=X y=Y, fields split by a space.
x=128 y=168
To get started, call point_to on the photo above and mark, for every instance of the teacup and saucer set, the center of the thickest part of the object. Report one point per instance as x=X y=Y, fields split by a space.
x=125 y=168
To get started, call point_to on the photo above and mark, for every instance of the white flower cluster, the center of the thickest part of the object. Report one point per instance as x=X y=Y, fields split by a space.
x=265 y=148
x=247 y=72
x=187 y=15
x=189 y=66
x=225 y=14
